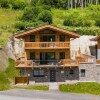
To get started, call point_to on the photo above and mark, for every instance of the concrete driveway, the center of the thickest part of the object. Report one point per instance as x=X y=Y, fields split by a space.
x=17 y=94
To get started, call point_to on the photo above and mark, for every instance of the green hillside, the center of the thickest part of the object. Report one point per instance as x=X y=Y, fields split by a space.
x=8 y=18
x=82 y=21
x=17 y=15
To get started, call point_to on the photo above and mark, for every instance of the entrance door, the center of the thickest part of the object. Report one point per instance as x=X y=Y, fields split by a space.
x=52 y=75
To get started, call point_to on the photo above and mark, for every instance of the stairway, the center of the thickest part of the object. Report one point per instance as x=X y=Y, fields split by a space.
x=53 y=86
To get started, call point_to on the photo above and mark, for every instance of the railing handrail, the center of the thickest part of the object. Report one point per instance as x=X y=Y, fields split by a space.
x=46 y=42
x=25 y=62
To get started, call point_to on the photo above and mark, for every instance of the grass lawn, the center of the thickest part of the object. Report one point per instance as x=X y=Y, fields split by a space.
x=82 y=87
x=33 y=87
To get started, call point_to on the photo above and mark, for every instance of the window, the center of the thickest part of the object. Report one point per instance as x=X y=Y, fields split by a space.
x=62 y=55
x=32 y=55
x=82 y=72
x=32 y=38
x=38 y=73
x=71 y=71
x=62 y=38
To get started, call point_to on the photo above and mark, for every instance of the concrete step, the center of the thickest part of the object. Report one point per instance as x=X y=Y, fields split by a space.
x=53 y=86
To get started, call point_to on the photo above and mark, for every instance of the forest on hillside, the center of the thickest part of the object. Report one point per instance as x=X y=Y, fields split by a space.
x=81 y=16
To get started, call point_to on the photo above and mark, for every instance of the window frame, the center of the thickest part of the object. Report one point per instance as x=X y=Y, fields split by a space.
x=33 y=57
x=61 y=38
x=83 y=73
x=38 y=73
x=60 y=57
x=32 y=39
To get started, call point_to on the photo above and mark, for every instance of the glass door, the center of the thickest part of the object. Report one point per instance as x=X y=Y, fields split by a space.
x=47 y=38
x=47 y=57
x=43 y=58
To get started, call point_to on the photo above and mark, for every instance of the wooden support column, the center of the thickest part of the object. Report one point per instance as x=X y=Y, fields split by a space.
x=37 y=55
x=25 y=55
x=37 y=37
x=57 y=55
x=57 y=37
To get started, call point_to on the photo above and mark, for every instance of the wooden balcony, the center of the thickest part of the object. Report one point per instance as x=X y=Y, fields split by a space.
x=47 y=45
x=56 y=63
x=24 y=64
x=70 y=63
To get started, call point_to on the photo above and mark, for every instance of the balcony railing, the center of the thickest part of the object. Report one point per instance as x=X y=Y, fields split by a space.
x=48 y=45
x=24 y=63
x=46 y=62
x=37 y=63
x=68 y=62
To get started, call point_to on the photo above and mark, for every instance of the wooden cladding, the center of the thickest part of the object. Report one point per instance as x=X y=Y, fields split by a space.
x=22 y=79
x=47 y=45
x=24 y=63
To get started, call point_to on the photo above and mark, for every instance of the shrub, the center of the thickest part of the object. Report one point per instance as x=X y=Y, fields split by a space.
x=4 y=3
x=67 y=22
x=45 y=16
x=34 y=2
x=96 y=18
x=46 y=7
x=31 y=13
x=18 y=4
x=20 y=25
x=76 y=19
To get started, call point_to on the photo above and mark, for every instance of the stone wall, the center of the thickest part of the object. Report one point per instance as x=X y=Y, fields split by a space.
x=92 y=73
x=97 y=73
x=74 y=76
x=89 y=71
x=61 y=75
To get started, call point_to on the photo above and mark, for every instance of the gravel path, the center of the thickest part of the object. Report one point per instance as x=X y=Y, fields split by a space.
x=45 y=95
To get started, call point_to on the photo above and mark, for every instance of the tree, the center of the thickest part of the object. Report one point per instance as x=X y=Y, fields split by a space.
x=34 y=2
x=46 y=17
x=18 y=4
x=4 y=3
x=30 y=13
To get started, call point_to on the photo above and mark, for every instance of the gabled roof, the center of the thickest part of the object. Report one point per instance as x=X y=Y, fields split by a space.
x=51 y=27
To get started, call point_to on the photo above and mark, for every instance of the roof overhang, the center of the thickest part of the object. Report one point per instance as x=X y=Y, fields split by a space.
x=51 y=27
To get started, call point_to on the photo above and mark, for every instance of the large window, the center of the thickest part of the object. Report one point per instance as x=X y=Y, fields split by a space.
x=83 y=72
x=62 y=55
x=32 y=55
x=32 y=38
x=38 y=73
x=47 y=38
x=62 y=38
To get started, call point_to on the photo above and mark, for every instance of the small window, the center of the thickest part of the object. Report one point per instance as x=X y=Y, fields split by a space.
x=82 y=72
x=38 y=73
x=32 y=55
x=71 y=71
x=62 y=38
x=62 y=55
x=32 y=38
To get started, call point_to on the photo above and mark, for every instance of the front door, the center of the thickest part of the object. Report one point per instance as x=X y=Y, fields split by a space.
x=52 y=75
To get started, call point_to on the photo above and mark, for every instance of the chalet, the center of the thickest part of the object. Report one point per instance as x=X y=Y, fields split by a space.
x=47 y=56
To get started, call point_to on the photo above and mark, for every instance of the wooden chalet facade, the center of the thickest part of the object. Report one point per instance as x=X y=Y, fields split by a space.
x=47 y=55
